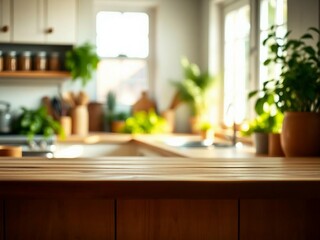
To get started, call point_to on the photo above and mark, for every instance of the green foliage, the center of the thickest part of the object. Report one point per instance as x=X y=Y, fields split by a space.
x=269 y=118
x=195 y=87
x=32 y=122
x=264 y=123
x=82 y=61
x=145 y=122
x=205 y=126
x=298 y=88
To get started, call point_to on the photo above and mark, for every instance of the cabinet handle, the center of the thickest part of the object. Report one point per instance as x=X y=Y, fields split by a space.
x=5 y=29
x=49 y=30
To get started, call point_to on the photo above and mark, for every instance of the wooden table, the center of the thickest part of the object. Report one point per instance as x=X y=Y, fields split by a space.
x=160 y=198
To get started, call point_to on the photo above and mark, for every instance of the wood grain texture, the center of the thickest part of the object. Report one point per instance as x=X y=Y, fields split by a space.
x=59 y=219
x=159 y=177
x=279 y=219
x=177 y=219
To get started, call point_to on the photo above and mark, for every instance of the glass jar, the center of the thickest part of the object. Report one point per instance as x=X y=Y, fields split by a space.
x=11 y=61
x=1 y=61
x=25 y=61
x=40 y=61
x=54 y=63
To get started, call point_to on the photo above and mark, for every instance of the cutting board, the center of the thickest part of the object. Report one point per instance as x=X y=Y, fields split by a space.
x=144 y=103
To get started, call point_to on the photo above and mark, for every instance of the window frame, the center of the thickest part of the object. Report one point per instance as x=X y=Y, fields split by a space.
x=150 y=10
x=228 y=7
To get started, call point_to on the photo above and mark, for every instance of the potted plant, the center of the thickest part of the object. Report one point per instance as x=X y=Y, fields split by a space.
x=145 y=122
x=297 y=90
x=33 y=122
x=82 y=61
x=267 y=124
x=118 y=121
x=195 y=90
x=206 y=131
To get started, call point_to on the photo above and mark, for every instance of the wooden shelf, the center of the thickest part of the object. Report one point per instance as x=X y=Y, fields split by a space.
x=35 y=74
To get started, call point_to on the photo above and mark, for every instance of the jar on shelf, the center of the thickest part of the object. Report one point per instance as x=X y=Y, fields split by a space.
x=54 y=62
x=25 y=61
x=11 y=61
x=40 y=61
x=1 y=61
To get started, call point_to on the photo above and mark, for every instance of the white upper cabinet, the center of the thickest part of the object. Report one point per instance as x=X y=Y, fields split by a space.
x=61 y=21
x=5 y=24
x=41 y=21
x=28 y=21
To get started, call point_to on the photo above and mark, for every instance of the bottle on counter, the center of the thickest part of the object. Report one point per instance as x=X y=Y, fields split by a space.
x=1 y=61
x=25 y=61
x=40 y=61
x=11 y=61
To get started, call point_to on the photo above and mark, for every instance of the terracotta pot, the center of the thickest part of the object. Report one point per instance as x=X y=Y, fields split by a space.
x=261 y=143
x=301 y=134
x=117 y=126
x=275 y=149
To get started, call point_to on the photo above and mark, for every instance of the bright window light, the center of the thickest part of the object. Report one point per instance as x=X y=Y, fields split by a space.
x=236 y=64
x=122 y=34
x=123 y=44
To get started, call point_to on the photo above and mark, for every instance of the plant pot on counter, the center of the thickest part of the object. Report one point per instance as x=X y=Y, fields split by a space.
x=274 y=145
x=301 y=134
x=261 y=141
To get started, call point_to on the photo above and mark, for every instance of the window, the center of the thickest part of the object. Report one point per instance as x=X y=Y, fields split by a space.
x=272 y=13
x=239 y=70
x=123 y=44
x=236 y=63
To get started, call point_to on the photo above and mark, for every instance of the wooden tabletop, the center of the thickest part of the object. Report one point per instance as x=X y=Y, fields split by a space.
x=161 y=177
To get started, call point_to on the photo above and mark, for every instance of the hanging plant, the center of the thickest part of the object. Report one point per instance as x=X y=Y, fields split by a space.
x=82 y=61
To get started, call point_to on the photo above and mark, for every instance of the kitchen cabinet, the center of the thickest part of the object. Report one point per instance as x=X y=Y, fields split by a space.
x=39 y=21
x=60 y=219
x=186 y=219
x=5 y=26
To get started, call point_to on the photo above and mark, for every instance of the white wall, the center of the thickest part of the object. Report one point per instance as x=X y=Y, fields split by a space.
x=302 y=15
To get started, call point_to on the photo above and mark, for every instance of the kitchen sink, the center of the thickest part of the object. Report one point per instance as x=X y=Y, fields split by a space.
x=199 y=144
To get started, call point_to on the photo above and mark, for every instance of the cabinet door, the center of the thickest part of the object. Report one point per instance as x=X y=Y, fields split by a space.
x=279 y=219
x=177 y=219
x=5 y=24
x=61 y=21
x=28 y=19
x=59 y=219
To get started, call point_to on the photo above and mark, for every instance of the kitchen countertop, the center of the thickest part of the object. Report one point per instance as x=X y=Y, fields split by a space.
x=198 y=173
x=167 y=143
x=161 y=177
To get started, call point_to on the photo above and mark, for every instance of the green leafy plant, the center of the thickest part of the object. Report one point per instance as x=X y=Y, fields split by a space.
x=195 y=88
x=264 y=123
x=82 y=61
x=32 y=122
x=205 y=126
x=269 y=118
x=145 y=122
x=298 y=86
